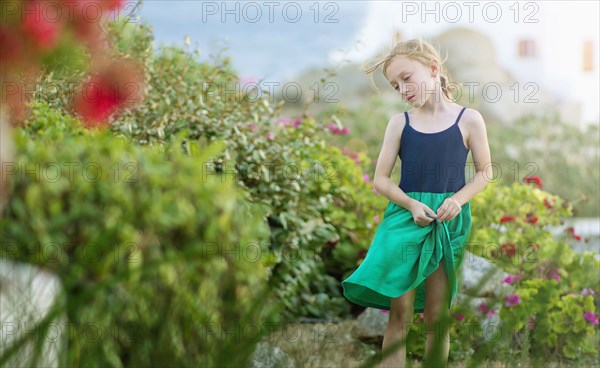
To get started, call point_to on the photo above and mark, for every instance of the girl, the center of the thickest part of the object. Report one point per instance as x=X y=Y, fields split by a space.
x=411 y=265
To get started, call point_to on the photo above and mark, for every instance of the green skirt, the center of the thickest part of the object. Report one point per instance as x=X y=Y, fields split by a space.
x=403 y=254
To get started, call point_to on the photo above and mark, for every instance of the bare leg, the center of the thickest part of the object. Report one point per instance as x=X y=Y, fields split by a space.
x=400 y=320
x=437 y=345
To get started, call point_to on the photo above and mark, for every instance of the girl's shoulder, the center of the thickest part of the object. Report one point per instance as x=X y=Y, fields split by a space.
x=472 y=118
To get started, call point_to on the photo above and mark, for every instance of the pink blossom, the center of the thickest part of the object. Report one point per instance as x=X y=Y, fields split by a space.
x=269 y=135
x=335 y=130
x=252 y=125
x=510 y=279
x=511 y=300
x=284 y=122
x=375 y=191
x=587 y=291
x=591 y=317
x=483 y=308
x=296 y=123
x=366 y=178
x=384 y=311
x=247 y=80
x=553 y=275
x=460 y=317
x=376 y=219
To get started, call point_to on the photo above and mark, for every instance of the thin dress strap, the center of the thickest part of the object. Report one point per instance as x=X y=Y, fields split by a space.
x=459 y=115
x=406 y=115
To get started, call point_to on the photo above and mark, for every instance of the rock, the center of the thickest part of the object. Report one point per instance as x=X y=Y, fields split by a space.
x=27 y=293
x=267 y=356
x=473 y=270
x=370 y=325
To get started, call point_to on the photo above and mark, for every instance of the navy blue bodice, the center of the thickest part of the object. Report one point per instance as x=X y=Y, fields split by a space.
x=432 y=162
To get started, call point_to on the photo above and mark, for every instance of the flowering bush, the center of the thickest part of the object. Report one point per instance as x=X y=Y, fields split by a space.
x=60 y=36
x=541 y=309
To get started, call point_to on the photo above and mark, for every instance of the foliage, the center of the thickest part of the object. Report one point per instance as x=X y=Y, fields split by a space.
x=145 y=241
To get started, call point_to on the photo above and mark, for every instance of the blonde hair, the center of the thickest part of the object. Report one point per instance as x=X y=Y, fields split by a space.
x=419 y=50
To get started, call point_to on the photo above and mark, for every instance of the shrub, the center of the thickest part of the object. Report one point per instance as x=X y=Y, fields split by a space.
x=145 y=241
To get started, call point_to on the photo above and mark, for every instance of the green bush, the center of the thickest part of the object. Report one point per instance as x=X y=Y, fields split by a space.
x=146 y=241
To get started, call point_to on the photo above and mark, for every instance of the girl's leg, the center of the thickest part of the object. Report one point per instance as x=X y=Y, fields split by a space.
x=400 y=320
x=437 y=346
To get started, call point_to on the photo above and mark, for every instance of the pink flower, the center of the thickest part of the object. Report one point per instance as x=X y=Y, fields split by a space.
x=384 y=311
x=510 y=279
x=296 y=123
x=483 y=308
x=591 y=317
x=511 y=300
x=375 y=191
x=376 y=219
x=553 y=275
x=460 y=317
x=252 y=125
x=248 y=80
x=366 y=178
x=284 y=122
x=269 y=136
x=587 y=291
x=335 y=130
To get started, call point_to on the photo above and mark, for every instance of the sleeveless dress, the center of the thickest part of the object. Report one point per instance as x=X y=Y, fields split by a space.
x=403 y=254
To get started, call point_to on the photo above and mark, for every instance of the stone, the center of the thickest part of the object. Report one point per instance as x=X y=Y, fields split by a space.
x=370 y=325
x=268 y=356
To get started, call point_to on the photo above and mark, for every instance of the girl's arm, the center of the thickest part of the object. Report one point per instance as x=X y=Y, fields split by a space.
x=385 y=164
x=480 y=149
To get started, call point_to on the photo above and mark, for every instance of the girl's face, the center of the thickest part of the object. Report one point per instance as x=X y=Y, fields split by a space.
x=413 y=80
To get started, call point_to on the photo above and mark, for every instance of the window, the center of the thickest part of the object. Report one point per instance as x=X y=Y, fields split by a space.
x=588 y=56
x=527 y=48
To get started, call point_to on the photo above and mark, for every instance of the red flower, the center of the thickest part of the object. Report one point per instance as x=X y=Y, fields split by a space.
x=509 y=249
x=41 y=23
x=115 y=4
x=531 y=218
x=533 y=179
x=571 y=231
x=332 y=243
x=11 y=45
x=507 y=219
x=547 y=203
x=117 y=85
x=96 y=102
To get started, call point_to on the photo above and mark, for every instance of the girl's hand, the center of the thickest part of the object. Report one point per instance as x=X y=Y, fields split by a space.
x=449 y=209
x=422 y=214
